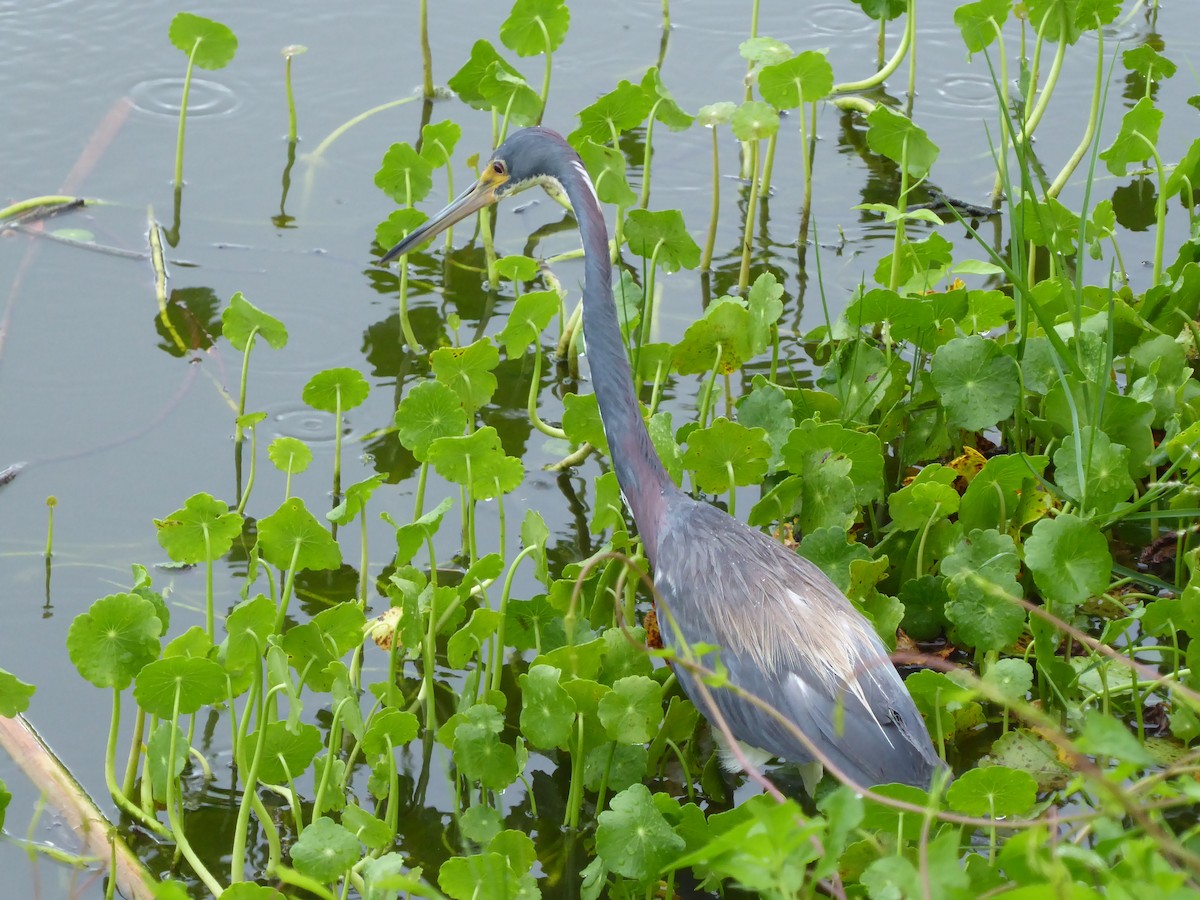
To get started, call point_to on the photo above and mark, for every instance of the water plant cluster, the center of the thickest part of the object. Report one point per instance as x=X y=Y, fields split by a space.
x=992 y=449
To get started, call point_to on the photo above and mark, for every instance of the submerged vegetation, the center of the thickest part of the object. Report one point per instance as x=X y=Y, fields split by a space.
x=994 y=457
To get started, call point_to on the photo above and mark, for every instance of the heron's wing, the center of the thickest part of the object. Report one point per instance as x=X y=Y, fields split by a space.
x=883 y=740
x=790 y=637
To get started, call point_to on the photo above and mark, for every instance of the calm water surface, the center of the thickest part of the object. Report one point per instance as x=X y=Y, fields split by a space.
x=121 y=430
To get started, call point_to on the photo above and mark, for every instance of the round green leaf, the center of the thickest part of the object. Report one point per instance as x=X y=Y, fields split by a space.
x=387 y=730
x=805 y=78
x=632 y=712
x=291 y=536
x=1069 y=559
x=463 y=877
x=399 y=224
x=726 y=454
x=632 y=836
x=202 y=531
x=438 y=140
x=1137 y=138
x=336 y=390
x=478 y=751
x=1093 y=470
x=429 y=410
x=241 y=319
x=375 y=834
x=619 y=110
x=527 y=319
x=210 y=44
x=535 y=26
x=325 y=850
x=114 y=639
x=477 y=461
x=289 y=454
x=664 y=107
x=198 y=682
x=978 y=382
x=287 y=751
x=980 y=22
x=158 y=748
x=754 y=120
x=404 y=175
x=469 y=371
x=14 y=694
x=663 y=237
x=606 y=166
x=993 y=791
x=547 y=710
x=716 y=113
x=354 y=503
x=895 y=136
x=467 y=81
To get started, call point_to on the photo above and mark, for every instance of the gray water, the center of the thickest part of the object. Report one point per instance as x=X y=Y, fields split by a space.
x=121 y=431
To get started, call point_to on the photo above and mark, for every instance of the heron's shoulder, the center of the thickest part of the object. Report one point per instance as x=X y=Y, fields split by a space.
x=699 y=534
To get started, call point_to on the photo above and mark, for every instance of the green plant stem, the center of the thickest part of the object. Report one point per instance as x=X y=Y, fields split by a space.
x=274 y=849
x=549 y=68
x=110 y=775
x=764 y=183
x=1072 y=164
x=748 y=230
x=710 y=242
x=426 y=54
x=883 y=74
x=806 y=164
x=575 y=796
x=51 y=502
x=333 y=136
x=563 y=348
x=293 y=878
x=647 y=310
x=237 y=869
x=910 y=30
x=335 y=739
x=429 y=655
x=1043 y=101
x=419 y=500
x=241 y=409
x=241 y=507
x=532 y=404
x=901 y=205
x=135 y=753
x=489 y=248
x=288 y=582
x=500 y=524
x=1160 y=212
x=706 y=403
x=183 y=108
x=498 y=654
x=337 y=446
x=209 y=602
x=644 y=199
x=22 y=206
x=173 y=811
x=291 y=98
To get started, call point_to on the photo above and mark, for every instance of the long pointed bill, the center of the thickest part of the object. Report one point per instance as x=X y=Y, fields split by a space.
x=482 y=193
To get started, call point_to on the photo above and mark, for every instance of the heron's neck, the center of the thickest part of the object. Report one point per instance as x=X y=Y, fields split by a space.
x=643 y=480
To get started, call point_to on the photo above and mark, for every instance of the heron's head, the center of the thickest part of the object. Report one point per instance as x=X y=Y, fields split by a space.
x=529 y=156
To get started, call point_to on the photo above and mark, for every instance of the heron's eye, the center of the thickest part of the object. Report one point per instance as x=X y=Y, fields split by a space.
x=498 y=167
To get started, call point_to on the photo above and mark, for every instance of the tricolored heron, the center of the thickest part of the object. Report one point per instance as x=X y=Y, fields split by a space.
x=786 y=634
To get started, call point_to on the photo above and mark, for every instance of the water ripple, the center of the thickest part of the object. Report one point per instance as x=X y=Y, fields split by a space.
x=162 y=97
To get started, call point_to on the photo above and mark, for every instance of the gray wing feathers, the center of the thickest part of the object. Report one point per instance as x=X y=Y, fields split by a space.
x=788 y=636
